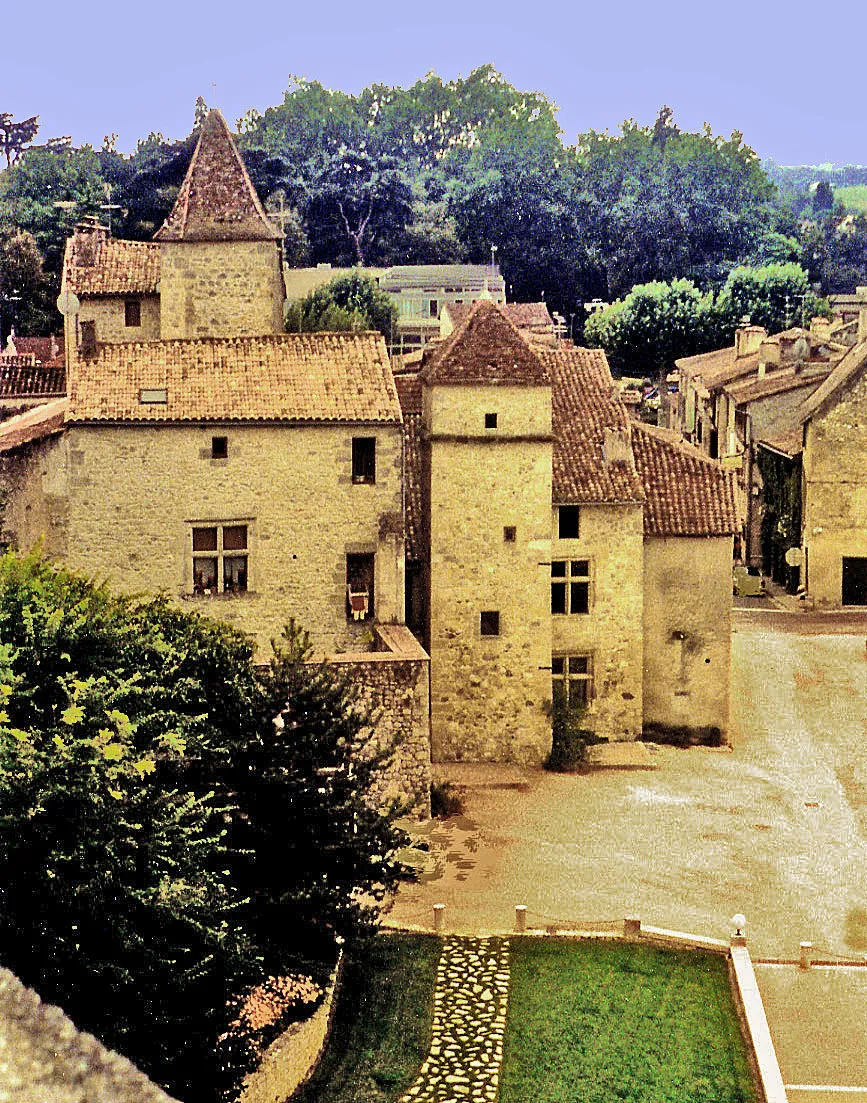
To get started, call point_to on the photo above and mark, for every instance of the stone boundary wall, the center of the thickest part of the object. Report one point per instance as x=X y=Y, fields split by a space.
x=290 y=1060
x=394 y=681
x=43 y=1056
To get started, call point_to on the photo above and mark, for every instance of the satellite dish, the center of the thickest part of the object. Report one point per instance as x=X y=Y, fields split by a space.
x=68 y=303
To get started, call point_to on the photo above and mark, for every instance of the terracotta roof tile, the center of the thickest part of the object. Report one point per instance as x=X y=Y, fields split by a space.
x=44 y=349
x=485 y=349
x=29 y=380
x=521 y=315
x=119 y=268
x=776 y=382
x=685 y=494
x=788 y=439
x=292 y=377
x=217 y=200
x=586 y=404
x=42 y=421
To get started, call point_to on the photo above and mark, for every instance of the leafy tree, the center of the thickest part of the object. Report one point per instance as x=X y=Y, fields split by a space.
x=26 y=299
x=15 y=136
x=823 y=196
x=775 y=296
x=163 y=843
x=353 y=301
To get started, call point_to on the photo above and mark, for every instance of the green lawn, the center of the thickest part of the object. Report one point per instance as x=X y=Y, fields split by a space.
x=854 y=197
x=382 y=1023
x=598 y=1022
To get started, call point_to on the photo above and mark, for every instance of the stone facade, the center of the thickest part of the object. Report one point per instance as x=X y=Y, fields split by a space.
x=687 y=635
x=394 y=684
x=120 y=503
x=220 y=289
x=109 y=314
x=489 y=693
x=835 y=492
x=611 y=540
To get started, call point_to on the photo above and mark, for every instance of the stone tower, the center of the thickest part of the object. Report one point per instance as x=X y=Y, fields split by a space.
x=221 y=264
x=488 y=471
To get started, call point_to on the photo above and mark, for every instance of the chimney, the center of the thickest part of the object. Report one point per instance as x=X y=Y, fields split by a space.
x=617 y=447
x=820 y=330
x=87 y=242
x=769 y=355
x=748 y=339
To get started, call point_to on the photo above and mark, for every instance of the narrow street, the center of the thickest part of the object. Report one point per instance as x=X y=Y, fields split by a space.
x=774 y=826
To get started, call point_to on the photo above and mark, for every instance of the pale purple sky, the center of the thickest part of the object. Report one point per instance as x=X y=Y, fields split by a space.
x=789 y=75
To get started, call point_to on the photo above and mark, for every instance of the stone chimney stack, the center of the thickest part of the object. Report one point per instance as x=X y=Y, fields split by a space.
x=87 y=242
x=769 y=355
x=748 y=339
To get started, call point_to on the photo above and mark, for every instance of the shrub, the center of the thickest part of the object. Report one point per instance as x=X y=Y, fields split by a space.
x=444 y=800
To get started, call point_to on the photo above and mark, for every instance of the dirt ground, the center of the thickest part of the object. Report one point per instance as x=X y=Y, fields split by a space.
x=774 y=827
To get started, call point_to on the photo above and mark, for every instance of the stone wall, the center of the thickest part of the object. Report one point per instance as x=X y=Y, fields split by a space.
x=119 y=503
x=687 y=636
x=221 y=289
x=109 y=315
x=489 y=693
x=835 y=500
x=611 y=539
x=394 y=685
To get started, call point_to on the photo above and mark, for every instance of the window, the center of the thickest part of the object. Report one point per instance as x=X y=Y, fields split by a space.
x=364 y=459
x=434 y=308
x=490 y=421
x=567 y=522
x=359 y=587
x=571 y=680
x=510 y=534
x=489 y=623
x=153 y=396
x=570 y=586
x=219 y=448
x=219 y=559
x=132 y=313
x=87 y=331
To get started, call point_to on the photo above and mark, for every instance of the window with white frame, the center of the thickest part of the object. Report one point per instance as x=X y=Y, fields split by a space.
x=570 y=586
x=572 y=680
x=220 y=559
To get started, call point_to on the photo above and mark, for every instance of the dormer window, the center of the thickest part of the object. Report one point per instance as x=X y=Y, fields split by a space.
x=153 y=396
x=132 y=314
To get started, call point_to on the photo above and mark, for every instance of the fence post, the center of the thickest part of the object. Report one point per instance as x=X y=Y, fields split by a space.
x=520 y=917
x=438 y=910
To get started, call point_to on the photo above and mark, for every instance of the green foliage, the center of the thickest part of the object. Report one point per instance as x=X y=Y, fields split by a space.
x=353 y=301
x=776 y=296
x=26 y=291
x=599 y=1021
x=162 y=841
x=15 y=136
x=382 y=1025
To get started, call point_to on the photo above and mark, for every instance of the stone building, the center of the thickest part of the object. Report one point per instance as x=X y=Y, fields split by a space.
x=499 y=500
x=557 y=550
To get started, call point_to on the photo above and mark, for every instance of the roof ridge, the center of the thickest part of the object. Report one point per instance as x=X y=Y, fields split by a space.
x=496 y=352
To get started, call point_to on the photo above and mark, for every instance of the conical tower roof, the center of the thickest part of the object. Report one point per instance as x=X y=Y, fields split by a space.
x=217 y=200
x=486 y=348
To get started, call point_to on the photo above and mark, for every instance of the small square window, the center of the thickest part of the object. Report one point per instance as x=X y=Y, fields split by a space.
x=567 y=522
x=510 y=534
x=489 y=623
x=364 y=459
x=219 y=448
x=132 y=313
x=490 y=421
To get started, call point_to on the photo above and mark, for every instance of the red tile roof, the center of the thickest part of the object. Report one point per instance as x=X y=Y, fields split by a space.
x=586 y=404
x=685 y=494
x=217 y=200
x=44 y=349
x=36 y=424
x=292 y=377
x=522 y=315
x=29 y=380
x=485 y=349
x=119 y=268
x=776 y=382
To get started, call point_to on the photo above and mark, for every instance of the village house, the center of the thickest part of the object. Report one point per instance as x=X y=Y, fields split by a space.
x=730 y=398
x=544 y=548
x=817 y=463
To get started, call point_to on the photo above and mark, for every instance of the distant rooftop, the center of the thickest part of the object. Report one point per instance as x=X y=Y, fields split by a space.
x=470 y=277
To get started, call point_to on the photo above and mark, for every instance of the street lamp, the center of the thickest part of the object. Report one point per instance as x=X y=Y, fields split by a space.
x=493 y=254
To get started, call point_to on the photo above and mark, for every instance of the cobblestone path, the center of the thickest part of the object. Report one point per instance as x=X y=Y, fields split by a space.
x=469 y=1021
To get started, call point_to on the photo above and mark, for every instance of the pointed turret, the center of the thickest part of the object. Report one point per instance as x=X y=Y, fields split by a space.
x=217 y=200
x=220 y=258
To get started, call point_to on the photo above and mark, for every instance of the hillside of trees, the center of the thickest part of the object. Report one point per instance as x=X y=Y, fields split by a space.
x=441 y=172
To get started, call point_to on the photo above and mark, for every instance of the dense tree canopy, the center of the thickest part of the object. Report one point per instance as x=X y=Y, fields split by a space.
x=163 y=842
x=348 y=302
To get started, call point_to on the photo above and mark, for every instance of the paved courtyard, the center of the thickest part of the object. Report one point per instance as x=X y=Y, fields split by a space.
x=774 y=827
